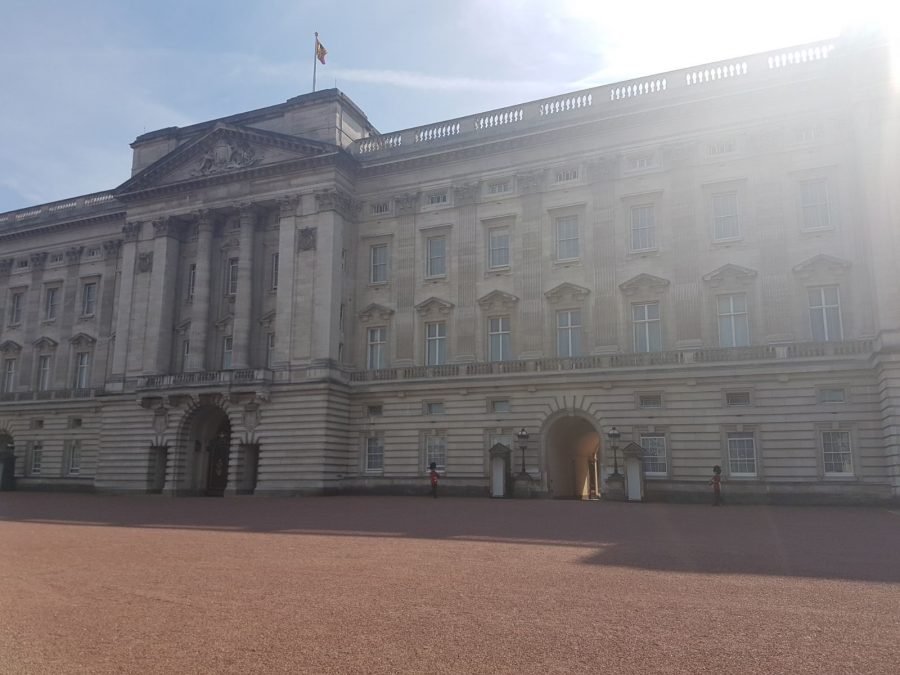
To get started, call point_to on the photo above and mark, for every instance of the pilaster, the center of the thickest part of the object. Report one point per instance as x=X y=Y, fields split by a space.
x=465 y=321
x=527 y=344
x=131 y=233
x=284 y=299
x=161 y=308
x=199 y=334
x=33 y=309
x=105 y=308
x=405 y=274
x=69 y=313
x=243 y=304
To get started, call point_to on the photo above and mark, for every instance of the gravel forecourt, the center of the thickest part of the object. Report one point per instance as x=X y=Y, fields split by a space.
x=111 y=584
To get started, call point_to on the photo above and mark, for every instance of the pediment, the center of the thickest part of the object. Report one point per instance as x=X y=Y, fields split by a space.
x=567 y=292
x=633 y=448
x=267 y=319
x=499 y=449
x=225 y=149
x=225 y=322
x=822 y=263
x=82 y=340
x=497 y=300
x=45 y=343
x=729 y=272
x=10 y=347
x=644 y=282
x=184 y=327
x=376 y=311
x=435 y=306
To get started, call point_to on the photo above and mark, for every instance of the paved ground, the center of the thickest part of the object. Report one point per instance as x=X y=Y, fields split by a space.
x=94 y=584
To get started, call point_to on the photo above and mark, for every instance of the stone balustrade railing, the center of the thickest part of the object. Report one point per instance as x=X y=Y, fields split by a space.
x=802 y=350
x=51 y=395
x=77 y=207
x=205 y=378
x=597 y=101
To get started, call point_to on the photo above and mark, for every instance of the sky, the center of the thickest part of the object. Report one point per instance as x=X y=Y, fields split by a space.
x=80 y=80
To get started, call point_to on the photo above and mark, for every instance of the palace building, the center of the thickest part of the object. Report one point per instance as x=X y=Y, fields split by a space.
x=287 y=301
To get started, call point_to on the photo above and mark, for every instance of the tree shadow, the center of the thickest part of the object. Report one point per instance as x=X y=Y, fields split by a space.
x=851 y=543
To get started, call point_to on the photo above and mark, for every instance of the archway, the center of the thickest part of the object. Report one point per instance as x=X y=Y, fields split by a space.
x=7 y=462
x=205 y=446
x=572 y=447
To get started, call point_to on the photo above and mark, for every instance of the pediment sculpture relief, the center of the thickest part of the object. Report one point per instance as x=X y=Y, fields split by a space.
x=227 y=154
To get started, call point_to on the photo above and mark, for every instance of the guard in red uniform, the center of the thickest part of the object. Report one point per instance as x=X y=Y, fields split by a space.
x=434 y=480
x=716 y=482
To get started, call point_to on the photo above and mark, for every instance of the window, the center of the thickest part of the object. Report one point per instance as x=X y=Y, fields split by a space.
x=75 y=422
x=375 y=410
x=825 y=313
x=93 y=252
x=88 y=298
x=231 y=276
x=499 y=188
x=650 y=400
x=73 y=457
x=741 y=454
x=434 y=408
x=37 y=424
x=380 y=208
x=22 y=264
x=378 y=262
x=51 y=303
x=641 y=162
x=567 y=244
x=568 y=332
x=565 y=175
x=643 y=228
x=9 y=375
x=737 y=398
x=55 y=258
x=436 y=343
x=270 y=349
x=655 y=461
x=227 y=351
x=374 y=453
x=836 y=453
x=498 y=248
x=274 y=271
x=82 y=370
x=500 y=406
x=43 y=372
x=814 y=205
x=831 y=396
x=377 y=341
x=436 y=451
x=734 y=327
x=15 y=308
x=436 y=261
x=185 y=354
x=437 y=198
x=192 y=281
x=37 y=456
x=720 y=147
x=645 y=321
x=725 y=216
x=498 y=339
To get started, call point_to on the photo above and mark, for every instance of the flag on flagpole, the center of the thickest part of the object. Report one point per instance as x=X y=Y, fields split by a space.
x=320 y=51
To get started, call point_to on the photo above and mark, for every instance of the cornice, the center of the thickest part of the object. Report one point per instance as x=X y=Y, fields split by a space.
x=55 y=227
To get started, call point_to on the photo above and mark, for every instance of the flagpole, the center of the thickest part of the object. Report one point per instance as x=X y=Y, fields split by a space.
x=315 y=58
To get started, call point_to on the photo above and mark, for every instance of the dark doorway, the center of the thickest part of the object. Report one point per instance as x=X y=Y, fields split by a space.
x=219 y=446
x=7 y=463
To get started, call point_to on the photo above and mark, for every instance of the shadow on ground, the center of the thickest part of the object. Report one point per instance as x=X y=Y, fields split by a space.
x=821 y=542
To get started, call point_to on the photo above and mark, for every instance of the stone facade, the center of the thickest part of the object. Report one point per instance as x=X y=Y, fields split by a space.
x=287 y=301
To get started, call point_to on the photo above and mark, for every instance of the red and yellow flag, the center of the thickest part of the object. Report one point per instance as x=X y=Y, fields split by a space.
x=320 y=50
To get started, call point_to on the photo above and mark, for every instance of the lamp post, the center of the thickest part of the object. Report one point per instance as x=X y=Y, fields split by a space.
x=523 y=445
x=613 y=435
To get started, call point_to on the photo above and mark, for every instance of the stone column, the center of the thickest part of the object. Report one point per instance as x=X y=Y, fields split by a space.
x=105 y=304
x=404 y=272
x=284 y=299
x=33 y=311
x=327 y=240
x=68 y=315
x=467 y=263
x=199 y=335
x=131 y=233
x=6 y=265
x=243 y=302
x=161 y=309
x=527 y=339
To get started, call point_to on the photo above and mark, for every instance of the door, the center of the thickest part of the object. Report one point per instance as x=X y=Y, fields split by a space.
x=498 y=477
x=217 y=479
x=633 y=479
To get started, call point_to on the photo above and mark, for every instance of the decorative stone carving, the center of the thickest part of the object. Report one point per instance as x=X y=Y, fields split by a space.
x=566 y=293
x=165 y=227
x=407 y=203
x=6 y=265
x=730 y=273
x=73 y=254
x=184 y=328
x=497 y=301
x=826 y=265
x=306 y=239
x=375 y=311
x=225 y=324
x=466 y=194
x=337 y=200
x=267 y=320
x=287 y=206
x=132 y=230
x=227 y=154
x=251 y=416
x=82 y=340
x=145 y=262
x=160 y=419
x=599 y=169
x=434 y=307
x=533 y=181
x=45 y=344
x=8 y=347
x=111 y=248
x=644 y=282
x=38 y=260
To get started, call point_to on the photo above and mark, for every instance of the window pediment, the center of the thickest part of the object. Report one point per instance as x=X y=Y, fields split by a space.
x=499 y=449
x=730 y=273
x=645 y=283
x=9 y=347
x=225 y=323
x=82 y=340
x=566 y=292
x=496 y=300
x=826 y=265
x=183 y=328
x=375 y=312
x=267 y=319
x=45 y=344
x=434 y=307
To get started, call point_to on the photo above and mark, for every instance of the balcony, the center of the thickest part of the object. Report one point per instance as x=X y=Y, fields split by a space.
x=51 y=395
x=800 y=351
x=211 y=378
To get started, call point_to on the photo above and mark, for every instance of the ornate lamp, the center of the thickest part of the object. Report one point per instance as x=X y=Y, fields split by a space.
x=613 y=435
x=523 y=445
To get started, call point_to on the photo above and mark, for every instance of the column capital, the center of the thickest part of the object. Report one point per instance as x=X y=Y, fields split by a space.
x=287 y=205
x=165 y=227
x=73 y=254
x=132 y=230
x=466 y=194
x=6 y=265
x=337 y=200
x=38 y=260
x=248 y=213
x=407 y=203
x=531 y=181
x=204 y=219
x=111 y=247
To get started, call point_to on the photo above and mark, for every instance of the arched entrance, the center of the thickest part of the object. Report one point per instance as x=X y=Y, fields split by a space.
x=572 y=448
x=206 y=442
x=7 y=462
